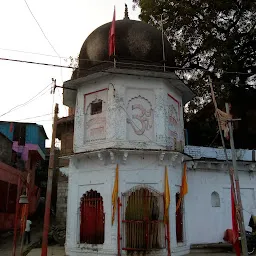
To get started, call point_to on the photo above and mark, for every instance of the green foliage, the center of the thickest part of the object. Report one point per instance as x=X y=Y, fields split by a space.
x=208 y=37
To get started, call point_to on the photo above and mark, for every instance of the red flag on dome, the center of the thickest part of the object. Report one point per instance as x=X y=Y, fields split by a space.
x=111 y=40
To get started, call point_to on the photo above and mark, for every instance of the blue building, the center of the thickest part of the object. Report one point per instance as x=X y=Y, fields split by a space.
x=26 y=137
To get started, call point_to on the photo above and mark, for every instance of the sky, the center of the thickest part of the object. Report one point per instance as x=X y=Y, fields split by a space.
x=66 y=24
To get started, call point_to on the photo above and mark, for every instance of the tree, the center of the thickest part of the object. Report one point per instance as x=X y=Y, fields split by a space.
x=215 y=38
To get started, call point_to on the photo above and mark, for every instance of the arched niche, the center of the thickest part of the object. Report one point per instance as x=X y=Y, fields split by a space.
x=143 y=215
x=215 y=199
x=92 y=218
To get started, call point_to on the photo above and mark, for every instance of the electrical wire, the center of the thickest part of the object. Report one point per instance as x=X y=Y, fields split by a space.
x=39 y=94
x=61 y=75
x=40 y=28
x=33 y=53
x=124 y=63
x=27 y=118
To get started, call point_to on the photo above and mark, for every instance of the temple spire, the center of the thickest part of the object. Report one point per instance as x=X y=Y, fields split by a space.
x=126 y=13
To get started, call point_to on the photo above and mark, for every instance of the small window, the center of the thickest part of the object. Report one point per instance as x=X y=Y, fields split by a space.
x=96 y=107
x=215 y=199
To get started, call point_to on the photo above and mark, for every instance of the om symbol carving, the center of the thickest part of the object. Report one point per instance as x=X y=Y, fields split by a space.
x=144 y=117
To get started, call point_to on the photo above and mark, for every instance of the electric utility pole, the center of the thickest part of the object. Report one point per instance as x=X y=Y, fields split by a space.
x=49 y=184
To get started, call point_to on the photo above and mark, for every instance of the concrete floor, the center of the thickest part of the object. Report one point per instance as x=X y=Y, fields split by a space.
x=59 y=251
x=52 y=251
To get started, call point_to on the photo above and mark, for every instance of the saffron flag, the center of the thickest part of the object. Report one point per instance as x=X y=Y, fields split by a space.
x=111 y=39
x=236 y=241
x=167 y=197
x=184 y=186
x=115 y=195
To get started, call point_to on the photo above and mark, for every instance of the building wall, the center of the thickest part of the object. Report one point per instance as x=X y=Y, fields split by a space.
x=91 y=173
x=33 y=133
x=203 y=222
x=206 y=224
x=66 y=146
x=143 y=116
x=35 y=136
x=5 y=149
x=62 y=194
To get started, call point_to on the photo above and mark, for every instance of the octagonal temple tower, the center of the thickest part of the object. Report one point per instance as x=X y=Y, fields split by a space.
x=128 y=130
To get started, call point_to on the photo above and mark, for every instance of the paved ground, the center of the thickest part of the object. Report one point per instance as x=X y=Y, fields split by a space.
x=6 y=244
x=59 y=251
x=211 y=254
x=52 y=251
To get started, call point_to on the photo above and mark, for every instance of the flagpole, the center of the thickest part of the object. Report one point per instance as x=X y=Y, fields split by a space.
x=237 y=187
x=115 y=57
x=114 y=39
x=162 y=28
x=244 y=244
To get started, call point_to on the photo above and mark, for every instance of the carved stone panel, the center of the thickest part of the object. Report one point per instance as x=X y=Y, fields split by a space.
x=95 y=115
x=174 y=123
x=140 y=115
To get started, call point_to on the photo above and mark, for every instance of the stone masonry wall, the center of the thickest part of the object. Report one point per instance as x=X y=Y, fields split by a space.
x=62 y=194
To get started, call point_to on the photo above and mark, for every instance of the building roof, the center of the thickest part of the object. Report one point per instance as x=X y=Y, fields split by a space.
x=136 y=41
x=39 y=125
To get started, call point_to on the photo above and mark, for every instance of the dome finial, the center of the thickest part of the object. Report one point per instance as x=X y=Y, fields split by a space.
x=126 y=14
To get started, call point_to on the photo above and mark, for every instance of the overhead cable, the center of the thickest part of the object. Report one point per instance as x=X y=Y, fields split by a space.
x=40 y=28
x=39 y=94
x=124 y=63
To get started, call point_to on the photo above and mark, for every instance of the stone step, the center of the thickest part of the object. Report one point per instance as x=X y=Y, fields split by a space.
x=211 y=248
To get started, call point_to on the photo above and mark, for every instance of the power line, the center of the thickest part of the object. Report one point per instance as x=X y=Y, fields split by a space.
x=40 y=27
x=28 y=101
x=34 y=53
x=124 y=63
x=32 y=117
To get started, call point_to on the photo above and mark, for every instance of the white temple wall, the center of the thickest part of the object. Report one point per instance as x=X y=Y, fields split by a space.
x=206 y=220
x=136 y=113
x=86 y=174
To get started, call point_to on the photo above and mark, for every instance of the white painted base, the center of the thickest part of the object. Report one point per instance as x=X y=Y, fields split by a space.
x=204 y=222
x=178 y=251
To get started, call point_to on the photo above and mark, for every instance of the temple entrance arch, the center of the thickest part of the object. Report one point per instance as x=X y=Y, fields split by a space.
x=92 y=218
x=143 y=227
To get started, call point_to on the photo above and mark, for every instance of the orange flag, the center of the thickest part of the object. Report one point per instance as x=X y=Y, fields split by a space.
x=167 y=197
x=115 y=195
x=184 y=186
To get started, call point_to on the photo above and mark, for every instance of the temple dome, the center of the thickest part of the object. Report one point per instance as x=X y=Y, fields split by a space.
x=136 y=41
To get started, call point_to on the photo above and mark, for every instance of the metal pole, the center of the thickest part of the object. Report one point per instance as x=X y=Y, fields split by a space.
x=16 y=218
x=168 y=238
x=222 y=140
x=49 y=185
x=238 y=195
x=22 y=243
x=162 y=28
x=118 y=228
x=26 y=211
